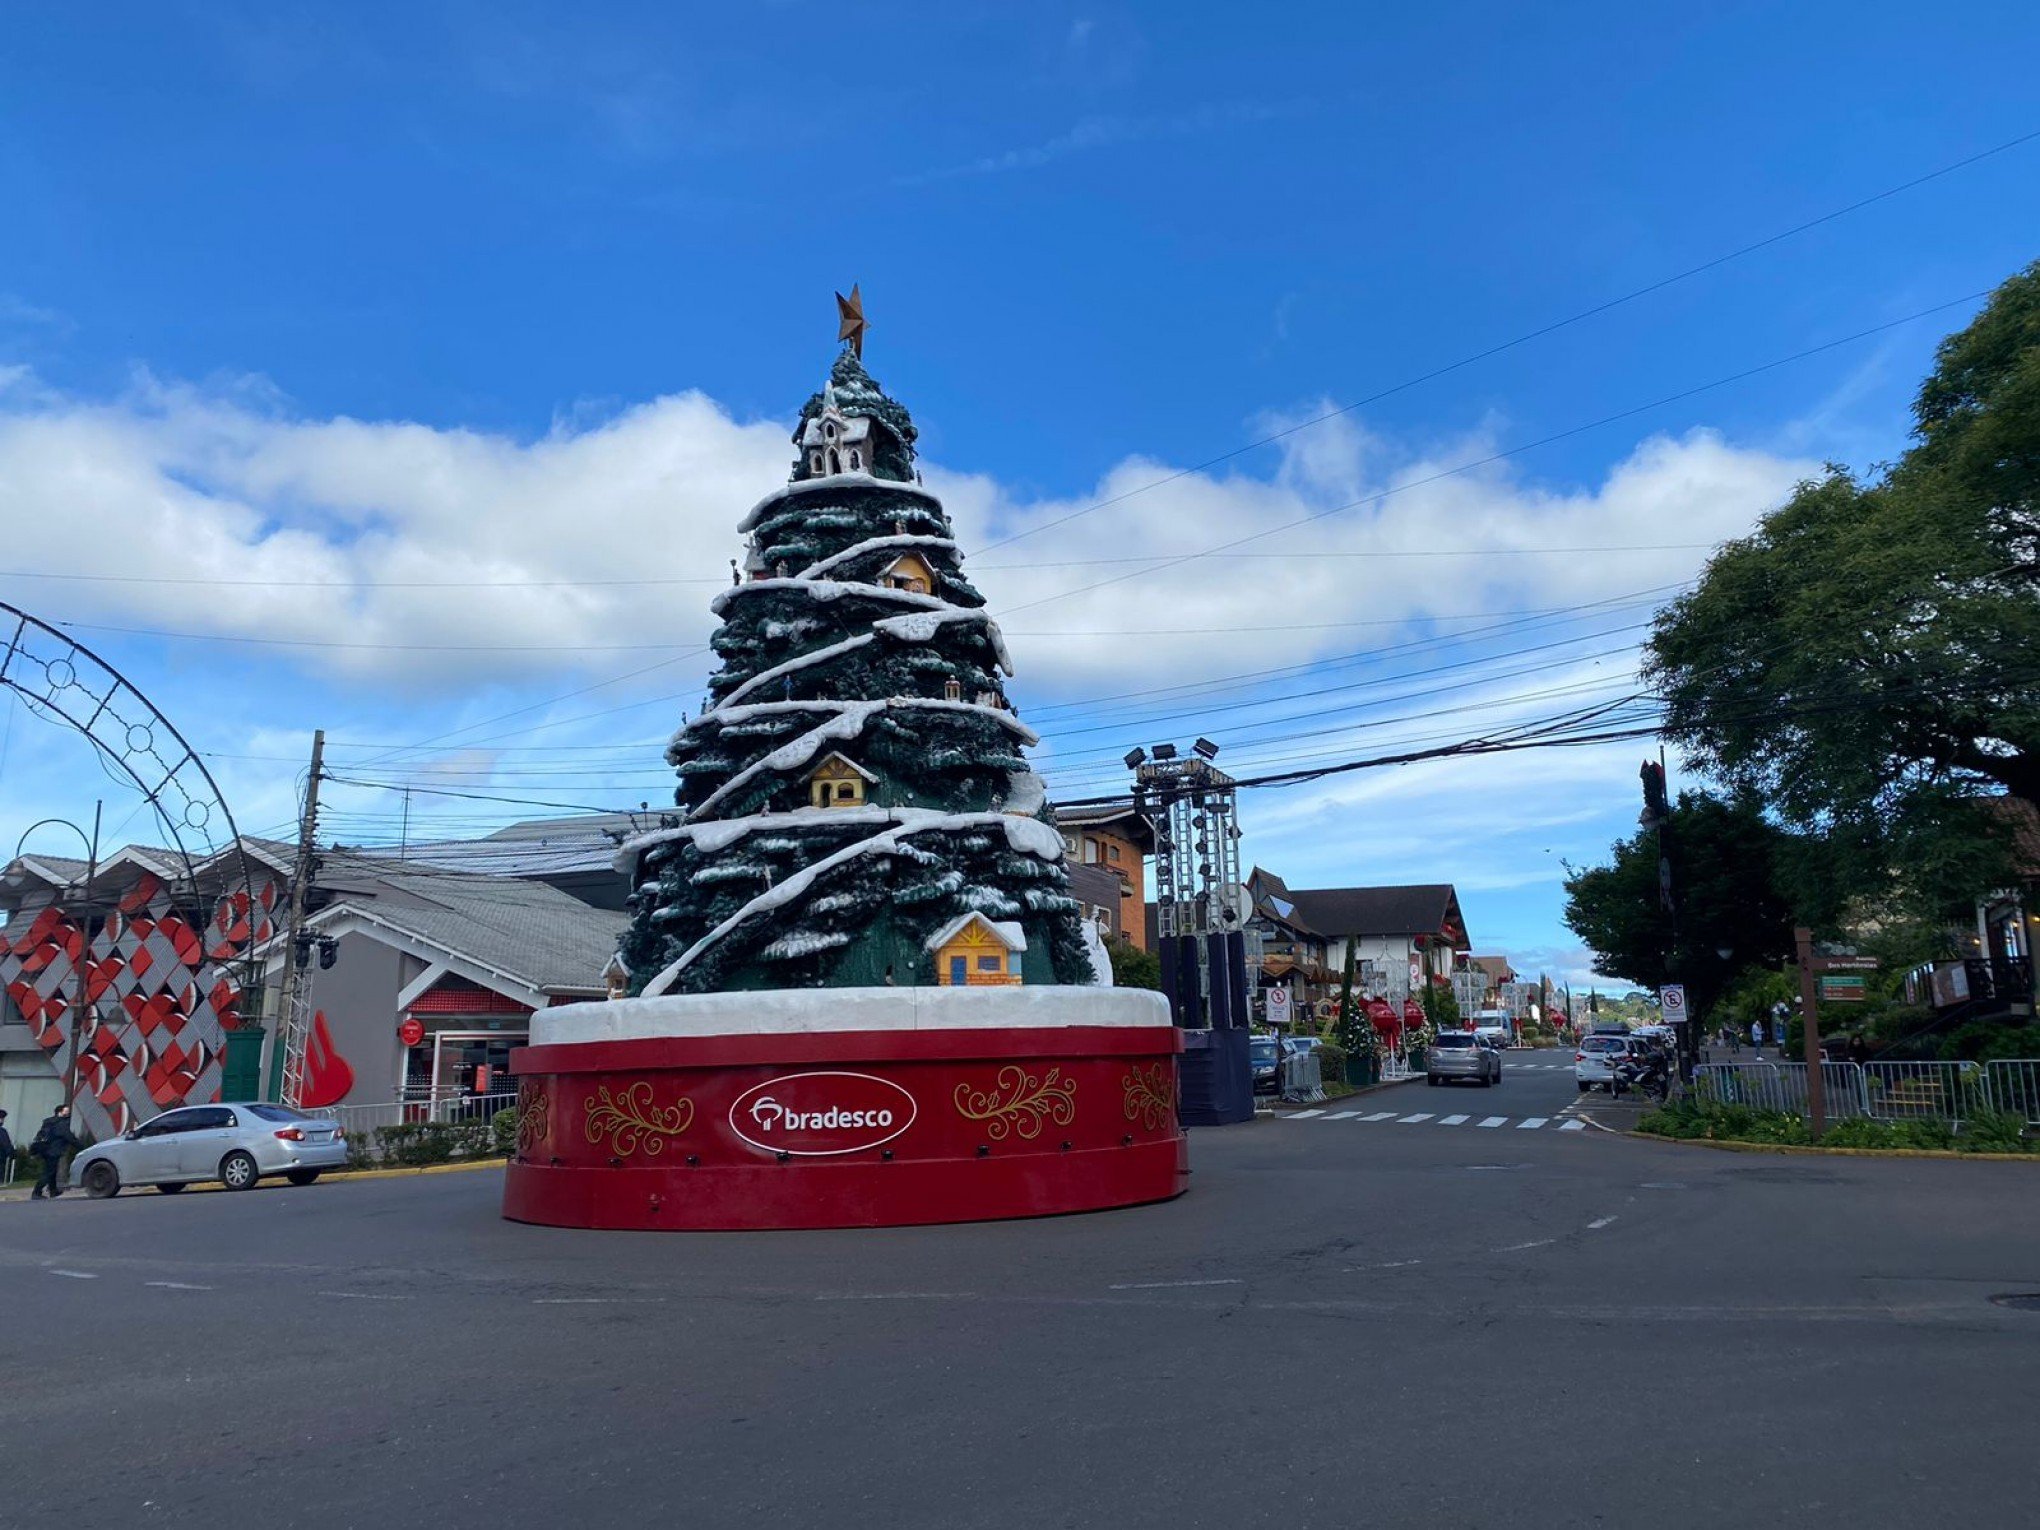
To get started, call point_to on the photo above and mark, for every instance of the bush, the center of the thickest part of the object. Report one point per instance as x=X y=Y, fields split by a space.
x=415 y=1144
x=1984 y=1132
x=1332 y=1062
x=503 y=1132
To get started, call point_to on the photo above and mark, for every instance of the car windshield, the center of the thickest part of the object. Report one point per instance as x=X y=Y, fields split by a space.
x=1452 y=1040
x=1264 y=1051
x=1604 y=1044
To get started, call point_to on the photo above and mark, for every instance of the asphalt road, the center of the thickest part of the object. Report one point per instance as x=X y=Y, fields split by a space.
x=1343 y=1322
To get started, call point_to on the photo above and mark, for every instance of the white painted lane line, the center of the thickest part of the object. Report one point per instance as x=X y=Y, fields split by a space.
x=174 y=1285
x=361 y=1296
x=1454 y=1120
x=1572 y=1126
x=1172 y=1285
x=1596 y=1226
x=1342 y=1115
x=1496 y=1121
x=1422 y=1115
x=1379 y=1115
x=1305 y=1115
x=593 y=1301
x=1517 y=1248
x=74 y=1274
x=1531 y=1123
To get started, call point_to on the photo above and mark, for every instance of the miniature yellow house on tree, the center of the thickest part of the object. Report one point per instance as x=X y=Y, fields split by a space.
x=838 y=782
x=972 y=951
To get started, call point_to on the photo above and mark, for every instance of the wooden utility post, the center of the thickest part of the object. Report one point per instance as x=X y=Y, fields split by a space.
x=290 y=1026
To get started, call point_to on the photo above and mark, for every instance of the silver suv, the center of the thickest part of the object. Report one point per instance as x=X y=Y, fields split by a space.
x=1461 y=1054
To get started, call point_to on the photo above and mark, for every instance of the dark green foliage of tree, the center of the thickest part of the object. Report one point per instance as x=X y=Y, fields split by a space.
x=1441 y=1008
x=1133 y=967
x=1729 y=864
x=1868 y=660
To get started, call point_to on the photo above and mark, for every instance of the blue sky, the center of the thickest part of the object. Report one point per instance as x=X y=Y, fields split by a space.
x=355 y=308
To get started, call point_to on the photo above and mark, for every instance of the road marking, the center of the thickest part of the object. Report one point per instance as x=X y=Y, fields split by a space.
x=361 y=1296
x=1572 y=1126
x=1422 y=1115
x=1305 y=1115
x=74 y=1274
x=1531 y=1123
x=1496 y=1121
x=1597 y=1225
x=1454 y=1120
x=1172 y=1285
x=1379 y=1115
x=1342 y=1115
x=1517 y=1248
x=591 y=1301
x=174 y=1285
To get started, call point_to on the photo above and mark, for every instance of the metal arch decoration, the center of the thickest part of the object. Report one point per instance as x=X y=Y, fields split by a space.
x=171 y=986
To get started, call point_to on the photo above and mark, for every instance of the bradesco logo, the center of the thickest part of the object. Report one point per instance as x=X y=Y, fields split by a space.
x=817 y=1115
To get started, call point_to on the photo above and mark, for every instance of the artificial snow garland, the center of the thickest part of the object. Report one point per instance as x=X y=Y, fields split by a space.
x=834 y=481
x=825 y=590
x=904 y=539
x=1028 y=836
x=727 y=715
x=915 y=627
x=848 y=723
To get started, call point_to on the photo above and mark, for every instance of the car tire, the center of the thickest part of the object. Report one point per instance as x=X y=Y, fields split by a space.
x=1431 y=1079
x=301 y=1176
x=1584 y=1087
x=101 y=1180
x=172 y=1188
x=239 y=1171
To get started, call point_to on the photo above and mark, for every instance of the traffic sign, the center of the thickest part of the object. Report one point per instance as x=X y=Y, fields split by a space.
x=1278 y=1006
x=1672 y=1002
x=1843 y=987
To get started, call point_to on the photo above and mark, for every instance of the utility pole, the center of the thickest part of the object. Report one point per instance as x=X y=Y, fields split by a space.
x=80 y=1003
x=1809 y=1000
x=294 y=1019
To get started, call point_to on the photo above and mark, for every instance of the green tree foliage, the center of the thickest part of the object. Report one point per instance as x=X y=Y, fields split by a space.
x=1868 y=660
x=1133 y=967
x=1441 y=1008
x=1729 y=861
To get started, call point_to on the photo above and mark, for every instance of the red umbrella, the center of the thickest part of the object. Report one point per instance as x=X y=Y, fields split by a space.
x=1413 y=1012
x=1382 y=1016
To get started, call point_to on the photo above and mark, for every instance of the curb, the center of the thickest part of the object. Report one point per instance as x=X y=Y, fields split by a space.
x=1829 y=1152
x=1357 y=1094
x=332 y=1176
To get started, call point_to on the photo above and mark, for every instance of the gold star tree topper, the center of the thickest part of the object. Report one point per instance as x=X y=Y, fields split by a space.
x=850 y=311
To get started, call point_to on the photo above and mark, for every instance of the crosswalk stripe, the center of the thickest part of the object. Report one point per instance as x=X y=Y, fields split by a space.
x=1342 y=1115
x=1531 y=1123
x=1422 y=1115
x=1453 y=1120
x=1305 y=1115
x=1495 y=1121
x=1572 y=1126
x=1379 y=1115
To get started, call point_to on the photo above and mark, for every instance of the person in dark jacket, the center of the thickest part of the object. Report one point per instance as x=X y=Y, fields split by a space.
x=6 y=1142
x=54 y=1141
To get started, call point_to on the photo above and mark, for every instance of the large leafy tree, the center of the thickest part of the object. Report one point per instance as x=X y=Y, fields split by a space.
x=1867 y=662
x=1729 y=865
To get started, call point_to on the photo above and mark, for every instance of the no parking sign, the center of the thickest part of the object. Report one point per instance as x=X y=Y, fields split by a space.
x=1672 y=1002
x=1278 y=1006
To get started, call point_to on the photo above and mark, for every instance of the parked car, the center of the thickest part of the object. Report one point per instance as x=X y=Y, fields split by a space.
x=1594 y=1061
x=1462 y=1054
x=1265 y=1054
x=236 y=1144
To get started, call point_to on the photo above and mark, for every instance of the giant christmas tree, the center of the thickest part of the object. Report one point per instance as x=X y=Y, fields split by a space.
x=858 y=810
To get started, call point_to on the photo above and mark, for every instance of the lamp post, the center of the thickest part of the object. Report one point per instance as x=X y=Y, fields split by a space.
x=91 y=844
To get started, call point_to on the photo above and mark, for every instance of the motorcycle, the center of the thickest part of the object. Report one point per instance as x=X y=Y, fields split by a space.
x=1650 y=1075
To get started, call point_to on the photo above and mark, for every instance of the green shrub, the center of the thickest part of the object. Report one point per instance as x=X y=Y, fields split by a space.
x=503 y=1132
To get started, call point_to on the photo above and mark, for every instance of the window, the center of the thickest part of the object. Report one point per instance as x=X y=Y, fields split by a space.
x=846 y=791
x=169 y=1125
x=835 y=462
x=991 y=964
x=210 y=1119
x=275 y=1113
x=1090 y=850
x=814 y=462
x=856 y=460
x=1111 y=851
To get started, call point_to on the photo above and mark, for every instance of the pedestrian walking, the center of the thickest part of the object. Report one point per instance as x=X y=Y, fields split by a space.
x=54 y=1141
x=1757 y=1037
x=1859 y=1049
x=6 y=1147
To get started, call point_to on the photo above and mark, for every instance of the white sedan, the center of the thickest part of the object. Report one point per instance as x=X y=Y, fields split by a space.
x=235 y=1144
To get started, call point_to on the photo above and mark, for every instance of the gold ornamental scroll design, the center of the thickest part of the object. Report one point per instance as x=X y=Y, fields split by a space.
x=1019 y=1102
x=1150 y=1095
x=534 y=1116
x=631 y=1121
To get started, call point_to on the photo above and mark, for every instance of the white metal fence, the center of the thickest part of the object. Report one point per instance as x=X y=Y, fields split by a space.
x=1882 y=1091
x=363 y=1121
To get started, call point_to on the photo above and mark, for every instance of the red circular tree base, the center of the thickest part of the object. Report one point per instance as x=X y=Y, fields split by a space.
x=845 y=1128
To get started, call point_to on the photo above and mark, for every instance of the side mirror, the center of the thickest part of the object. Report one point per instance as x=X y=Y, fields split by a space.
x=130 y=1134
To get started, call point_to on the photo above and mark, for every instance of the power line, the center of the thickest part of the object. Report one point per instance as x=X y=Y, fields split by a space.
x=1529 y=335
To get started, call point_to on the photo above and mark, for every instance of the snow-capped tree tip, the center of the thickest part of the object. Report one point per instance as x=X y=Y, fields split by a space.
x=856 y=807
